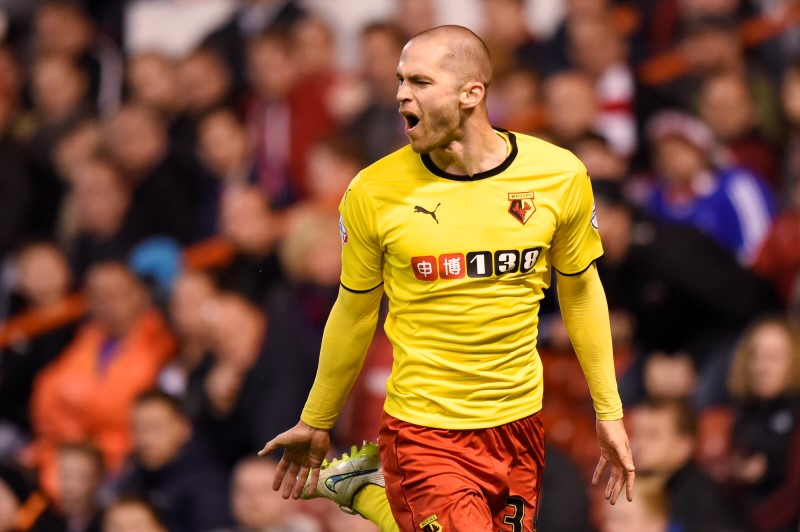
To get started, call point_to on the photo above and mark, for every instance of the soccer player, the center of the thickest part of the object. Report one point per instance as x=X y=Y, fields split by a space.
x=462 y=230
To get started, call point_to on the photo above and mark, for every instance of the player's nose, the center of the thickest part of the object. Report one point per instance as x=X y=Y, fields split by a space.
x=403 y=94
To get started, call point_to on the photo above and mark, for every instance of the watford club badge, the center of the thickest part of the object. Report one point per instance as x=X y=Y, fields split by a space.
x=521 y=206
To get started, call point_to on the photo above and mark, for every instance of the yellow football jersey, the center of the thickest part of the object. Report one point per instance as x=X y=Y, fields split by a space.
x=464 y=260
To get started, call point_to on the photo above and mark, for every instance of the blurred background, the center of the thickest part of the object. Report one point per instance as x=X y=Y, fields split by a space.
x=170 y=172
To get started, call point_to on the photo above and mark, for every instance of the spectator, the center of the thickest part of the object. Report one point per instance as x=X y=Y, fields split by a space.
x=163 y=197
x=777 y=51
x=223 y=143
x=190 y=310
x=790 y=103
x=132 y=515
x=712 y=46
x=42 y=276
x=670 y=376
x=515 y=103
x=205 y=82
x=598 y=49
x=313 y=47
x=43 y=285
x=59 y=86
x=105 y=225
x=670 y=286
x=63 y=27
x=256 y=506
x=726 y=105
x=273 y=75
x=647 y=512
x=79 y=140
x=22 y=507
x=379 y=127
x=80 y=477
x=663 y=439
x=332 y=164
x=12 y=75
x=602 y=162
x=668 y=20
x=224 y=150
x=511 y=43
x=252 y=18
x=778 y=259
x=173 y=470
x=567 y=508
x=286 y=115
x=252 y=388
x=154 y=83
x=310 y=255
x=765 y=385
x=728 y=203
x=58 y=91
x=16 y=194
x=157 y=262
x=253 y=229
x=413 y=16
x=86 y=393
x=570 y=107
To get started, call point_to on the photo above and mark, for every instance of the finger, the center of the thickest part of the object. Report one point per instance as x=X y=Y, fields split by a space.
x=619 y=482
x=631 y=477
x=271 y=446
x=280 y=472
x=290 y=480
x=301 y=482
x=313 y=481
x=609 y=486
x=598 y=471
x=628 y=474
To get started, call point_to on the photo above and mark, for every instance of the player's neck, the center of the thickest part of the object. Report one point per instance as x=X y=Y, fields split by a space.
x=478 y=150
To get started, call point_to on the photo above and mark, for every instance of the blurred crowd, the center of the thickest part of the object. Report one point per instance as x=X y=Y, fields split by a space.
x=144 y=408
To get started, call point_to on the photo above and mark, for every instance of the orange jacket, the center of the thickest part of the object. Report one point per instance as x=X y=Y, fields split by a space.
x=74 y=401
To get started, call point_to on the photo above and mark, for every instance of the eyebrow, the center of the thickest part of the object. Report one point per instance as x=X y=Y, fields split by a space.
x=414 y=77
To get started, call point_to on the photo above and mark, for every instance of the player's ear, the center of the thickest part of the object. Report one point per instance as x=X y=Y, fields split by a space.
x=471 y=94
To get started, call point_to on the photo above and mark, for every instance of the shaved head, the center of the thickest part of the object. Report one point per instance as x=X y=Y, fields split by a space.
x=461 y=52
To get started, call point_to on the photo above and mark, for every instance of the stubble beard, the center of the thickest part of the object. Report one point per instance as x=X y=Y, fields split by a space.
x=438 y=132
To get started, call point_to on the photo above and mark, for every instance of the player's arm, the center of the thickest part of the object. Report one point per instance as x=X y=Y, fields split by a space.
x=348 y=334
x=585 y=313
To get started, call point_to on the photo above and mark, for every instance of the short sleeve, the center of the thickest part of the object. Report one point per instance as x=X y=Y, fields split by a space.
x=362 y=257
x=576 y=243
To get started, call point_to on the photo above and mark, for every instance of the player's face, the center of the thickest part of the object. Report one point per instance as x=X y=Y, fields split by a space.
x=429 y=97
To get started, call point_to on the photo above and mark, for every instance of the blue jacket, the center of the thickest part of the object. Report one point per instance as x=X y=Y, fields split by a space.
x=731 y=205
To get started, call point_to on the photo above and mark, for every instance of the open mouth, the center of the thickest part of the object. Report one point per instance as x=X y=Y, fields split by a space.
x=411 y=121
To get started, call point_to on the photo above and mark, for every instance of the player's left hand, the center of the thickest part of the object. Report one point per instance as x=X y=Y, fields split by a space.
x=615 y=451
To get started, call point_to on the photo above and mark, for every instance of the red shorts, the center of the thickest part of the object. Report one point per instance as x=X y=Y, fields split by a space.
x=463 y=480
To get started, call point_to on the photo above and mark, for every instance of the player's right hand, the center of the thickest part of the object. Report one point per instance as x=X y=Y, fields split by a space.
x=615 y=454
x=304 y=449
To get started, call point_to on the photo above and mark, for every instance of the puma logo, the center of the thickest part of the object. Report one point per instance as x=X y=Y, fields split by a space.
x=417 y=208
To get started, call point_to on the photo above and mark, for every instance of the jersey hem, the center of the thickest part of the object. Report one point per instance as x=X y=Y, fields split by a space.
x=456 y=424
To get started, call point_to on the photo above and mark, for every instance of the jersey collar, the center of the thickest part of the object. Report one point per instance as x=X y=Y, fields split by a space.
x=502 y=167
